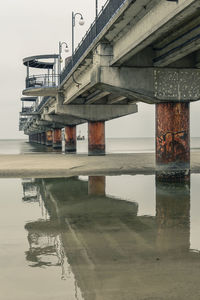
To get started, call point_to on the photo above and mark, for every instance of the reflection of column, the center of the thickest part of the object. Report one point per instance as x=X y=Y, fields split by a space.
x=96 y=138
x=70 y=139
x=172 y=141
x=57 y=138
x=173 y=217
x=96 y=185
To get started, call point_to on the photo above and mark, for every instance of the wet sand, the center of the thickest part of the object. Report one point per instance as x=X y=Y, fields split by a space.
x=58 y=165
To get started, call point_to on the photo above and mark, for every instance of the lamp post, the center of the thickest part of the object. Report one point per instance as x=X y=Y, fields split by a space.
x=81 y=22
x=96 y=9
x=60 y=58
x=96 y=16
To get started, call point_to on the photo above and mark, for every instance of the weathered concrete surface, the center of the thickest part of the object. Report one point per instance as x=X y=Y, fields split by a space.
x=58 y=165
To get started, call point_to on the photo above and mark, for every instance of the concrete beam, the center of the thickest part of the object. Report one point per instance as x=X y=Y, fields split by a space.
x=161 y=19
x=43 y=123
x=151 y=85
x=62 y=119
x=96 y=96
x=115 y=99
x=29 y=114
x=178 y=45
x=96 y=112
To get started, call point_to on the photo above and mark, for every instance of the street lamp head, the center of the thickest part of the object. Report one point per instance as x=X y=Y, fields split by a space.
x=66 y=49
x=81 y=22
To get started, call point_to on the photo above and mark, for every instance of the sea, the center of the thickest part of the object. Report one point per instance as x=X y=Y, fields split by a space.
x=113 y=145
x=126 y=237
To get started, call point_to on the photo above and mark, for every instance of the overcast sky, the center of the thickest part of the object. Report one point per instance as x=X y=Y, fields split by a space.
x=34 y=28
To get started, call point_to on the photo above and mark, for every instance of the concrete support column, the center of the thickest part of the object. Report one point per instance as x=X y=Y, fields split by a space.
x=97 y=185
x=35 y=138
x=43 y=138
x=57 y=138
x=70 y=139
x=49 y=138
x=173 y=141
x=96 y=138
x=39 y=138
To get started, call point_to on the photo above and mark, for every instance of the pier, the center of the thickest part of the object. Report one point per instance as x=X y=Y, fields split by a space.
x=135 y=51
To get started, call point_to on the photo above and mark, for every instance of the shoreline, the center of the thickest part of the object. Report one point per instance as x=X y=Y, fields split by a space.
x=52 y=165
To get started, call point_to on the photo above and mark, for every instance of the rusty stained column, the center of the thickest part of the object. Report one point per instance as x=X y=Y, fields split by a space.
x=70 y=139
x=173 y=141
x=173 y=218
x=57 y=138
x=96 y=138
x=49 y=138
x=97 y=185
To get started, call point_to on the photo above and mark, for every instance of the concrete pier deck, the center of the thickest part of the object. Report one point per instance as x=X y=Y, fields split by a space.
x=60 y=165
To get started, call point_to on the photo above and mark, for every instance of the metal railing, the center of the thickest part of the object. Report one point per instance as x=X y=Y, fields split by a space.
x=28 y=109
x=108 y=11
x=44 y=80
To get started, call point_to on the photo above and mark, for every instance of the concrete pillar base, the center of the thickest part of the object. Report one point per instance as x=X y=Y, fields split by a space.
x=70 y=139
x=57 y=138
x=172 y=141
x=96 y=138
x=172 y=175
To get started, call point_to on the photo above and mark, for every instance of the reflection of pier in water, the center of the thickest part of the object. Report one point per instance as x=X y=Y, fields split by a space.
x=112 y=252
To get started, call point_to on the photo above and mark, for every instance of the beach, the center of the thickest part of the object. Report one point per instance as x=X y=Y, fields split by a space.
x=96 y=225
x=67 y=165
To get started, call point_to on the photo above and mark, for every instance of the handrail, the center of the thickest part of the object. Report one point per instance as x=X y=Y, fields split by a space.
x=44 y=80
x=108 y=11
